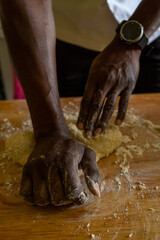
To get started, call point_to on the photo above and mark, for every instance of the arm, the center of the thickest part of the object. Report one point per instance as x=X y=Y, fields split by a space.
x=148 y=14
x=114 y=72
x=31 y=40
x=51 y=173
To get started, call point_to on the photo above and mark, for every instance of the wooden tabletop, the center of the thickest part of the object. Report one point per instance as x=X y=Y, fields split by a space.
x=124 y=210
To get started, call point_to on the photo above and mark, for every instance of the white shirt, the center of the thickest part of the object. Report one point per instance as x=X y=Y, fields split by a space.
x=123 y=9
x=92 y=23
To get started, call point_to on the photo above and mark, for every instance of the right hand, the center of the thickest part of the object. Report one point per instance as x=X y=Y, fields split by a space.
x=51 y=172
x=113 y=73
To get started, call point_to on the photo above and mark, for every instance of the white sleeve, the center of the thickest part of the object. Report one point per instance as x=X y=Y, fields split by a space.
x=123 y=9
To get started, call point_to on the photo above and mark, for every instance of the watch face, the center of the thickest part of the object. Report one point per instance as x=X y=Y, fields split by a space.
x=131 y=31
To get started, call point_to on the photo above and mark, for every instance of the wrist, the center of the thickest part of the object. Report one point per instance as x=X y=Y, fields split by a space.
x=52 y=129
x=47 y=119
x=54 y=134
x=121 y=46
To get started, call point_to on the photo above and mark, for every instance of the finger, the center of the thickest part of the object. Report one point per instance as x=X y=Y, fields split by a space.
x=72 y=184
x=107 y=112
x=122 y=108
x=40 y=191
x=26 y=189
x=90 y=170
x=85 y=104
x=94 y=112
x=56 y=188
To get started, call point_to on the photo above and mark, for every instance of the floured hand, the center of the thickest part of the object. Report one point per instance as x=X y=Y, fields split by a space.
x=51 y=172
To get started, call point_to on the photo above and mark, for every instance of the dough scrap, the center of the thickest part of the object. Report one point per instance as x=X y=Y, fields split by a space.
x=19 y=146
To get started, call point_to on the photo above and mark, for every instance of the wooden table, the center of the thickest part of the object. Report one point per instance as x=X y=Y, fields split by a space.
x=122 y=212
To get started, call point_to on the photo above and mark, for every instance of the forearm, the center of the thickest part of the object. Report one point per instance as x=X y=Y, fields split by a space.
x=148 y=14
x=30 y=33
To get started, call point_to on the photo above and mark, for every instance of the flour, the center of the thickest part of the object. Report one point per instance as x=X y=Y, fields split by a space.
x=125 y=154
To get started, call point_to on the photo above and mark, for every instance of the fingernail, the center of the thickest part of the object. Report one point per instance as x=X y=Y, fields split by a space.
x=97 y=131
x=118 y=122
x=80 y=126
x=96 y=186
x=88 y=134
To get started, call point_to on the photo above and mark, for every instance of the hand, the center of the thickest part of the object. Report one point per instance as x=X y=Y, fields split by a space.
x=113 y=72
x=51 y=172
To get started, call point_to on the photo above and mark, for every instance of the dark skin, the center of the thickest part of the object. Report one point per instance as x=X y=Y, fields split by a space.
x=111 y=78
x=51 y=173
x=114 y=72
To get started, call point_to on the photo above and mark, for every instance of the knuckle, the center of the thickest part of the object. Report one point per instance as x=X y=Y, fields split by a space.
x=91 y=154
x=121 y=114
x=99 y=94
x=60 y=201
x=72 y=194
x=80 y=198
x=40 y=201
x=89 y=125
x=95 y=106
x=124 y=104
x=113 y=94
x=26 y=195
x=72 y=153
x=70 y=143
x=85 y=103
x=40 y=161
x=56 y=202
x=103 y=123
x=95 y=175
x=82 y=117
x=109 y=106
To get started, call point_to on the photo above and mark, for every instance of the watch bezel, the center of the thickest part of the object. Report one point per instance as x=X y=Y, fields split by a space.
x=134 y=40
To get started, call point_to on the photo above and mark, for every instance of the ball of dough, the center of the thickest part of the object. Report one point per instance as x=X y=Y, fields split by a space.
x=19 y=146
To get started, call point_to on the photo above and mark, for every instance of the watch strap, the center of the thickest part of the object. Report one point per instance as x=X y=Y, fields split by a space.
x=142 y=42
x=119 y=26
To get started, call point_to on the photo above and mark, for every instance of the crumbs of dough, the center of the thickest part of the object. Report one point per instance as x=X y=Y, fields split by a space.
x=139 y=186
x=118 y=182
x=155 y=147
x=135 y=149
x=134 y=135
x=126 y=139
x=122 y=151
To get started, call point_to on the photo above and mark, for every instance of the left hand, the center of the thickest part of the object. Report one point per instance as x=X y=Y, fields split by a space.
x=113 y=72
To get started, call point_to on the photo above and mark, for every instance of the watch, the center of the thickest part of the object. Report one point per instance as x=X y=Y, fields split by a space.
x=132 y=32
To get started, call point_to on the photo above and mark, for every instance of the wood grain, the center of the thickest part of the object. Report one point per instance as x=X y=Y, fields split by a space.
x=122 y=212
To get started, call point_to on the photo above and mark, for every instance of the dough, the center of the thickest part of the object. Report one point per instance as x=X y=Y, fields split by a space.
x=103 y=144
x=19 y=146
